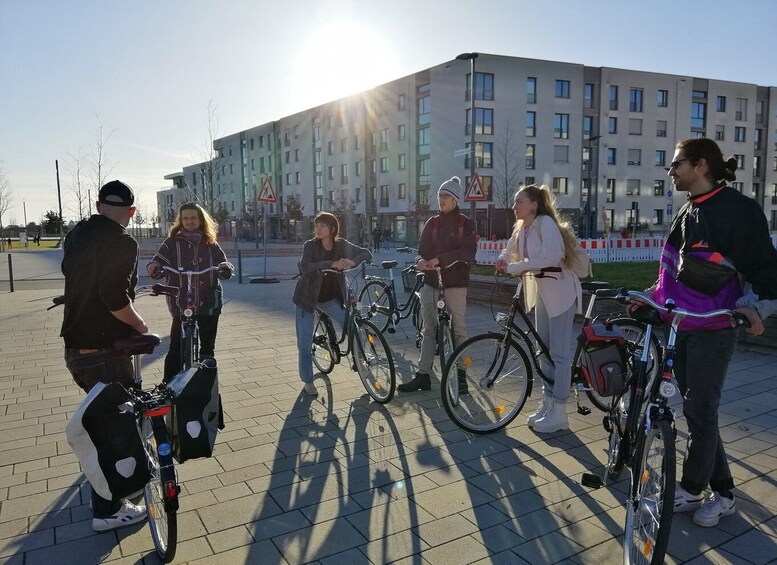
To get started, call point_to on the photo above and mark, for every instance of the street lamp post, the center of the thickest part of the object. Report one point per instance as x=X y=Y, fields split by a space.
x=471 y=57
x=592 y=219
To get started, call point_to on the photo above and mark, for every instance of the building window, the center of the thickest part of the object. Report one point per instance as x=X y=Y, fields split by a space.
x=531 y=90
x=632 y=187
x=401 y=132
x=530 y=180
x=483 y=153
x=720 y=133
x=610 y=190
x=296 y=155
x=401 y=162
x=741 y=111
x=287 y=156
x=484 y=86
x=658 y=217
x=424 y=171
x=661 y=128
x=662 y=98
x=384 y=164
x=698 y=115
x=424 y=143
x=613 y=97
x=484 y=121
x=531 y=124
x=530 y=156
x=757 y=138
x=588 y=126
x=357 y=168
x=635 y=100
x=560 y=185
x=658 y=188
x=660 y=158
x=562 y=89
x=356 y=141
x=424 y=110
x=634 y=157
x=288 y=179
x=384 y=196
x=402 y=191
x=612 y=125
x=401 y=102
x=253 y=163
x=561 y=154
x=561 y=126
x=384 y=139
x=738 y=186
x=330 y=149
x=720 y=104
x=330 y=172
x=611 y=156
x=344 y=145
x=740 y=161
x=297 y=178
x=344 y=173
x=739 y=133
x=635 y=126
x=588 y=95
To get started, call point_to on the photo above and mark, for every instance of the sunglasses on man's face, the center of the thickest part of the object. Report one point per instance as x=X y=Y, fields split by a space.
x=675 y=164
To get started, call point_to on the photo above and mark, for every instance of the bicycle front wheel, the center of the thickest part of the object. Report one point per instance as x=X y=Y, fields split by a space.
x=444 y=343
x=374 y=364
x=323 y=357
x=162 y=523
x=189 y=346
x=485 y=383
x=651 y=504
x=377 y=304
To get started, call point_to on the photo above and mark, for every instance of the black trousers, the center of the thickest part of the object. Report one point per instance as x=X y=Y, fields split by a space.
x=208 y=326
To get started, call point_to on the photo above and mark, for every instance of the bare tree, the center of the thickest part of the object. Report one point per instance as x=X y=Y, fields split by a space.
x=507 y=174
x=419 y=211
x=78 y=187
x=210 y=166
x=5 y=201
x=100 y=167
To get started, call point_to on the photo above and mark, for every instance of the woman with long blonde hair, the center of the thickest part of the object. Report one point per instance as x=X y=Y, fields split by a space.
x=541 y=239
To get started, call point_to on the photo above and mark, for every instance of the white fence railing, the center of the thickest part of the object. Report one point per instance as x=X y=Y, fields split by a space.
x=600 y=250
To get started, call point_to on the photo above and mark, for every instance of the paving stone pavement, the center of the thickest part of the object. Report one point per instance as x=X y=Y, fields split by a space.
x=340 y=479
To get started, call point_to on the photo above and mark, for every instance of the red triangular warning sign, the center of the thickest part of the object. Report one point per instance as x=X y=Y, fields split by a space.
x=475 y=191
x=267 y=192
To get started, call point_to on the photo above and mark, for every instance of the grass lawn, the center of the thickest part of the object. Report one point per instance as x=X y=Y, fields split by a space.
x=632 y=276
x=44 y=244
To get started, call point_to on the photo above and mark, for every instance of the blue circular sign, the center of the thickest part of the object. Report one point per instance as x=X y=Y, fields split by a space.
x=163 y=449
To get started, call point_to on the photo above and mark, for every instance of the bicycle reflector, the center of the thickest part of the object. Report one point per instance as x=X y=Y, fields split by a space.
x=467 y=362
x=157 y=412
x=170 y=490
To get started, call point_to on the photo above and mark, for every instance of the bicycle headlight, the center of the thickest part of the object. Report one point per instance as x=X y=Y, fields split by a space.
x=188 y=312
x=501 y=317
x=667 y=389
x=440 y=304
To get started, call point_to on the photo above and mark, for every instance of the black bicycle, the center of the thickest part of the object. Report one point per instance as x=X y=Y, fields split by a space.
x=494 y=374
x=371 y=355
x=378 y=299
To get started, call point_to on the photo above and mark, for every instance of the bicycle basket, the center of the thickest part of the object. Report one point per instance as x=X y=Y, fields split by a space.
x=408 y=276
x=196 y=416
x=604 y=358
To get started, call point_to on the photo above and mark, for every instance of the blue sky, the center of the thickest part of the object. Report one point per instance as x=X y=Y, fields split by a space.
x=149 y=68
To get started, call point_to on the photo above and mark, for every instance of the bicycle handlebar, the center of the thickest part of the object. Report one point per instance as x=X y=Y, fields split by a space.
x=407 y=250
x=640 y=298
x=189 y=273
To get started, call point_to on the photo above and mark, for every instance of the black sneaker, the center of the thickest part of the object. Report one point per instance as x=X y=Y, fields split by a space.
x=421 y=381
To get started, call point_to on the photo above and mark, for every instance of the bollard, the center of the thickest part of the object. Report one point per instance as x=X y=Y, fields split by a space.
x=239 y=267
x=10 y=271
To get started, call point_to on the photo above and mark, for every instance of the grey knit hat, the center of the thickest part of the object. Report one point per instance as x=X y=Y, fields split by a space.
x=451 y=187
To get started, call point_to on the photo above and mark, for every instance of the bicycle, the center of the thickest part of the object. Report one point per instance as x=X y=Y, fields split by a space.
x=150 y=408
x=371 y=355
x=495 y=374
x=644 y=439
x=379 y=301
x=189 y=328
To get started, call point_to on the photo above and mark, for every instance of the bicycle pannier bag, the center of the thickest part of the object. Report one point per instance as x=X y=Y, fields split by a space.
x=604 y=358
x=196 y=416
x=106 y=442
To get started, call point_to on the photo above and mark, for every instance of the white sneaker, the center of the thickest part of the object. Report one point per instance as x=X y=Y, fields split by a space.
x=545 y=403
x=685 y=501
x=554 y=420
x=310 y=388
x=713 y=509
x=127 y=515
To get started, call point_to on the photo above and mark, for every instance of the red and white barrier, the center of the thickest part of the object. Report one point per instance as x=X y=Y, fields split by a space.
x=601 y=250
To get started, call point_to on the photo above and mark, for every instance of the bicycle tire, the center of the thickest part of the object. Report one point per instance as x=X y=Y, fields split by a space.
x=480 y=408
x=377 y=304
x=418 y=322
x=651 y=506
x=373 y=361
x=189 y=346
x=162 y=522
x=321 y=347
x=635 y=334
x=445 y=343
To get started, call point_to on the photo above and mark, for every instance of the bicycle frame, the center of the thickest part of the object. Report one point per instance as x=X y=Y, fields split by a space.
x=398 y=312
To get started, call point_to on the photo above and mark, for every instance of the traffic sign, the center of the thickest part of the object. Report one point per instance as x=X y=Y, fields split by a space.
x=668 y=209
x=267 y=192
x=475 y=191
x=668 y=193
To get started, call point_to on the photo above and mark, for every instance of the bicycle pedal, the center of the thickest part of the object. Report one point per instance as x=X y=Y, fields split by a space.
x=583 y=410
x=591 y=481
x=391 y=330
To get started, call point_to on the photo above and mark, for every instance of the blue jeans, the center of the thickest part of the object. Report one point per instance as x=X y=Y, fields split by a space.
x=304 y=323
x=701 y=364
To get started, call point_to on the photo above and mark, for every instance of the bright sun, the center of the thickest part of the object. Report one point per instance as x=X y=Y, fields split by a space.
x=342 y=58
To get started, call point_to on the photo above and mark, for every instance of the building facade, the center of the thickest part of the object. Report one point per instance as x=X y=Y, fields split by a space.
x=599 y=137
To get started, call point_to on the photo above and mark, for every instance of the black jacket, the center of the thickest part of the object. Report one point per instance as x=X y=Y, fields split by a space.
x=100 y=267
x=447 y=247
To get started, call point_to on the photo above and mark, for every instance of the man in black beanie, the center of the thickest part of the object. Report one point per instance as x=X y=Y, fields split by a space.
x=100 y=267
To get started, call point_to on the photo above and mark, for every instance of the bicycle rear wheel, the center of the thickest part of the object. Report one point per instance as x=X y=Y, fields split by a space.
x=377 y=304
x=323 y=357
x=485 y=384
x=650 y=508
x=374 y=364
x=162 y=522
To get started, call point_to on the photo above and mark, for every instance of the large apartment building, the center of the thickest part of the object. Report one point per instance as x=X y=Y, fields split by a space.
x=599 y=137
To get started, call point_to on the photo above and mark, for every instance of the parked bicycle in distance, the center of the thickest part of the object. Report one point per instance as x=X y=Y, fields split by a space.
x=495 y=370
x=364 y=342
x=643 y=440
x=379 y=303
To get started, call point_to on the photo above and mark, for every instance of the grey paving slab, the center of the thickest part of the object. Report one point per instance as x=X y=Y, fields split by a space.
x=340 y=479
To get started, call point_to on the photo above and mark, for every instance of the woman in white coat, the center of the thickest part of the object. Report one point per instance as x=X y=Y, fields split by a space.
x=541 y=240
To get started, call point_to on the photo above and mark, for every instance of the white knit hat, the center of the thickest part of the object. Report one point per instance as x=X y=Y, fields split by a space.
x=451 y=187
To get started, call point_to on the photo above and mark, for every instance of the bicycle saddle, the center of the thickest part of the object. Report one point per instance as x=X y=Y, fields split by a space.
x=388 y=264
x=138 y=344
